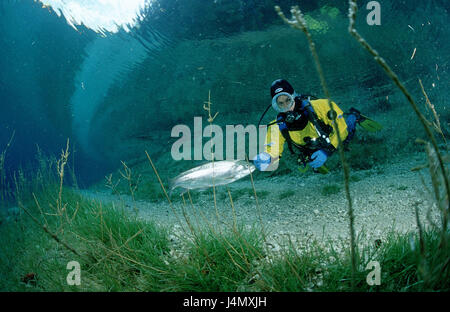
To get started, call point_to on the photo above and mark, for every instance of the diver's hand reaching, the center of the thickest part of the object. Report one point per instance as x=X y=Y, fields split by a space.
x=262 y=161
x=318 y=158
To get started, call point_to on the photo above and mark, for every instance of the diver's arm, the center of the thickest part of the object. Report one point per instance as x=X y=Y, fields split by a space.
x=273 y=148
x=273 y=164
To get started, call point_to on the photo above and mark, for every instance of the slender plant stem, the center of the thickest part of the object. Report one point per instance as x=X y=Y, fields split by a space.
x=164 y=190
x=258 y=208
x=45 y=228
x=352 y=15
x=210 y=120
x=300 y=23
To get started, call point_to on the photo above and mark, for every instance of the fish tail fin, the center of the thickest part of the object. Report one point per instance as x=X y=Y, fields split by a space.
x=171 y=184
x=171 y=189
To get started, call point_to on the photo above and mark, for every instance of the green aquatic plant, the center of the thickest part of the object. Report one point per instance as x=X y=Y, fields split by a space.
x=332 y=12
x=434 y=124
x=119 y=252
x=5 y=188
x=317 y=26
x=222 y=262
x=132 y=182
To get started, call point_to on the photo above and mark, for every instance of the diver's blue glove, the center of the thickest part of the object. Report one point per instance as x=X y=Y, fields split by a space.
x=318 y=158
x=262 y=161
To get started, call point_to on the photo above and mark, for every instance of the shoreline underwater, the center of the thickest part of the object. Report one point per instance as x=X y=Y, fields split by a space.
x=377 y=221
x=259 y=244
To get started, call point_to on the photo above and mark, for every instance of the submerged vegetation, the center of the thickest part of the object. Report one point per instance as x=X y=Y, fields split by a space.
x=118 y=252
x=53 y=224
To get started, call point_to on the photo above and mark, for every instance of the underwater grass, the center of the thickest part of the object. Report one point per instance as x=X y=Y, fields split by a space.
x=125 y=253
x=5 y=187
x=119 y=252
x=223 y=262
x=112 y=247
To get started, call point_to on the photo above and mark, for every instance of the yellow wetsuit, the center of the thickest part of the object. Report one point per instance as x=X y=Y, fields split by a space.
x=275 y=146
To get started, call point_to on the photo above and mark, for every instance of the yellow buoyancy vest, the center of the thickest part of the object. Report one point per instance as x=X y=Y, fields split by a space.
x=274 y=139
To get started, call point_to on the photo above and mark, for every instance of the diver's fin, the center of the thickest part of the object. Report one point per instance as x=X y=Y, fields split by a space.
x=369 y=124
x=323 y=170
x=365 y=122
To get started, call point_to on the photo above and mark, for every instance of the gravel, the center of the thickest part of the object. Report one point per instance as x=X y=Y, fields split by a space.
x=383 y=200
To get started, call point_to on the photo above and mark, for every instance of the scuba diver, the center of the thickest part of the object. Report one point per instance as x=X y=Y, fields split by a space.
x=307 y=125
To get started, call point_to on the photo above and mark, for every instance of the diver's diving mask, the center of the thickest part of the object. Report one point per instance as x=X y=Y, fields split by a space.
x=283 y=102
